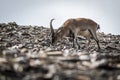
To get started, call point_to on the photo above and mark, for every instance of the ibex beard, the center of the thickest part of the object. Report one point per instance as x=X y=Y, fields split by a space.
x=75 y=27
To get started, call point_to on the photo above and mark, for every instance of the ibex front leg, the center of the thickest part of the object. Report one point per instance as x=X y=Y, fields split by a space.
x=72 y=37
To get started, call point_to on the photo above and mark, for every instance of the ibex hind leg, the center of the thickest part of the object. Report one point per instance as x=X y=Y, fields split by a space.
x=93 y=33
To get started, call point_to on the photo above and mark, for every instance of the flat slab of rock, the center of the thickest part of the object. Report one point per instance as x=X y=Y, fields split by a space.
x=55 y=53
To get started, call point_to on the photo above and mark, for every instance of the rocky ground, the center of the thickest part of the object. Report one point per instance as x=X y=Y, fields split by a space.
x=26 y=54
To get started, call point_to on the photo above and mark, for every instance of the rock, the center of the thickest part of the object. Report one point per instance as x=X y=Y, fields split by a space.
x=27 y=53
x=35 y=62
x=51 y=72
x=42 y=54
x=19 y=59
x=84 y=57
x=55 y=53
x=66 y=53
x=2 y=60
x=11 y=52
x=83 y=77
x=94 y=56
x=17 y=67
x=24 y=50
x=118 y=77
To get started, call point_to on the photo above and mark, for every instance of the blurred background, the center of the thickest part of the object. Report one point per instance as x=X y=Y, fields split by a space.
x=40 y=12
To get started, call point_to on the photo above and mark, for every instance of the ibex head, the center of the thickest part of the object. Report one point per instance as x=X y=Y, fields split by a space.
x=54 y=35
x=58 y=34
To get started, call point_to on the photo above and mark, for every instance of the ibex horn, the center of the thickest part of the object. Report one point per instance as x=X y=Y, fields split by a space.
x=51 y=27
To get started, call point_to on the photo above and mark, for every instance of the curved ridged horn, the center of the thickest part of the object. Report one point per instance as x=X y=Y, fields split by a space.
x=52 y=31
x=51 y=27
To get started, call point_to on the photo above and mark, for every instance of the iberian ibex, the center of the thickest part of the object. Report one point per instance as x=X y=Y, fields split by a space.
x=74 y=27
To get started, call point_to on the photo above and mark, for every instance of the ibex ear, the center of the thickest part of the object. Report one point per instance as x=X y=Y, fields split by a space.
x=52 y=31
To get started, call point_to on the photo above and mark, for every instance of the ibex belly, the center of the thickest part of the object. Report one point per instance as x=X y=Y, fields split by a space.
x=85 y=34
